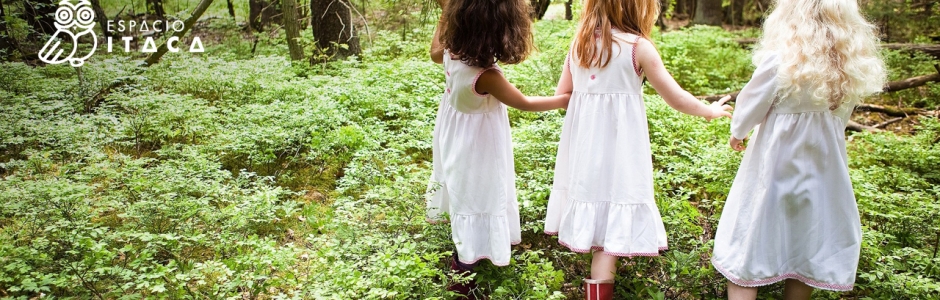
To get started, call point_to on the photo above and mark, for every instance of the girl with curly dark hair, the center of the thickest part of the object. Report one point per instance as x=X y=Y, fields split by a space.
x=473 y=178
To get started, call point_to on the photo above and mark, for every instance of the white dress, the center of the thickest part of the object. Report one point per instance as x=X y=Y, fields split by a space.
x=791 y=212
x=473 y=179
x=602 y=196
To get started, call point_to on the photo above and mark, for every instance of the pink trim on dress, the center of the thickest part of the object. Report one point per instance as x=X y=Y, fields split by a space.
x=435 y=222
x=763 y=282
x=473 y=87
x=636 y=68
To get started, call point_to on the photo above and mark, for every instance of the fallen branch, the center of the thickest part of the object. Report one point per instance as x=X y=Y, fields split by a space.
x=888 y=122
x=893 y=86
x=891 y=111
x=908 y=83
x=854 y=126
x=96 y=100
x=929 y=49
x=932 y=50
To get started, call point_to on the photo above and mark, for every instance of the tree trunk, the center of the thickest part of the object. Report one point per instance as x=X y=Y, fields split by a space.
x=231 y=8
x=187 y=25
x=332 y=28
x=40 y=15
x=681 y=9
x=764 y=7
x=736 y=15
x=568 y=13
x=661 y=20
x=102 y=17
x=290 y=27
x=707 y=12
x=261 y=13
x=155 y=8
x=6 y=41
x=538 y=8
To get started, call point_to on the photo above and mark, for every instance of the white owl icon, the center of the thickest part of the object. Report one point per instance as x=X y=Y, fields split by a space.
x=72 y=22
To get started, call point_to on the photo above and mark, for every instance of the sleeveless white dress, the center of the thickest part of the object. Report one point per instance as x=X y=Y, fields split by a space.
x=473 y=180
x=791 y=211
x=602 y=197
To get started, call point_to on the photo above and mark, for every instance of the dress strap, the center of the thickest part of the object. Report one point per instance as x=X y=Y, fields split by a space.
x=636 y=68
x=473 y=86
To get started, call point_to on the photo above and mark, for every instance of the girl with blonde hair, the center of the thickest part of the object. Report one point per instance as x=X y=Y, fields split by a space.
x=602 y=196
x=791 y=213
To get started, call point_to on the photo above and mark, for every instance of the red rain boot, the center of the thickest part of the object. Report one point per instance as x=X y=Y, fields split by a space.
x=598 y=289
x=464 y=289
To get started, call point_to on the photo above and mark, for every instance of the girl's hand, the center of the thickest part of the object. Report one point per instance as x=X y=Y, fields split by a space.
x=736 y=144
x=720 y=109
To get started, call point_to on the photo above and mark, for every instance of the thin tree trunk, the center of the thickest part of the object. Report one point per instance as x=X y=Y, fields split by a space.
x=661 y=20
x=102 y=17
x=155 y=7
x=292 y=32
x=231 y=8
x=539 y=7
x=187 y=25
x=764 y=7
x=6 y=43
x=737 y=12
x=568 y=13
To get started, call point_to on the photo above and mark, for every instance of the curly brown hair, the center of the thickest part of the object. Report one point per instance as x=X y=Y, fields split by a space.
x=482 y=32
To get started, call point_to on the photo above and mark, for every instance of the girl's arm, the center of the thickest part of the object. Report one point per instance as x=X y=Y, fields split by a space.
x=564 y=83
x=437 y=50
x=754 y=102
x=679 y=99
x=492 y=82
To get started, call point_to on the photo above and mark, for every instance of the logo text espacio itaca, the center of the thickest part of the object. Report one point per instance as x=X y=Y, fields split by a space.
x=73 y=21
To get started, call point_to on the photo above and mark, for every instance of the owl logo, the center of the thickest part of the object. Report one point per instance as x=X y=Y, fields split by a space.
x=71 y=22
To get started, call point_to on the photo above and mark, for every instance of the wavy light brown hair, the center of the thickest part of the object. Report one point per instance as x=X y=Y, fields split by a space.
x=482 y=32
x=632 y=16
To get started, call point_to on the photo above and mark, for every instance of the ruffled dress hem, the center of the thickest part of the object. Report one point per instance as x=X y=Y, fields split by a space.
x=624 y=229
x=601 y=249
x=778 y=278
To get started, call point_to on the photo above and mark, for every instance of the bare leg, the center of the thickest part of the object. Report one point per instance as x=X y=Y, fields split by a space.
x=796 y=290
x=737 y=292
x=603 y=266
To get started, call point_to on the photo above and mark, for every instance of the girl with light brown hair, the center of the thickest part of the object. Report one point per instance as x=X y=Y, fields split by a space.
x=602 y=197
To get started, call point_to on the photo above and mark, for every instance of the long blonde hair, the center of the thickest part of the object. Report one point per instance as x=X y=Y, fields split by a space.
x=631 y=16
x=825 y=48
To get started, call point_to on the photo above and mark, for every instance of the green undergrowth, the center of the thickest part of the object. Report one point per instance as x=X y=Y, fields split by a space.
x=221 y=176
